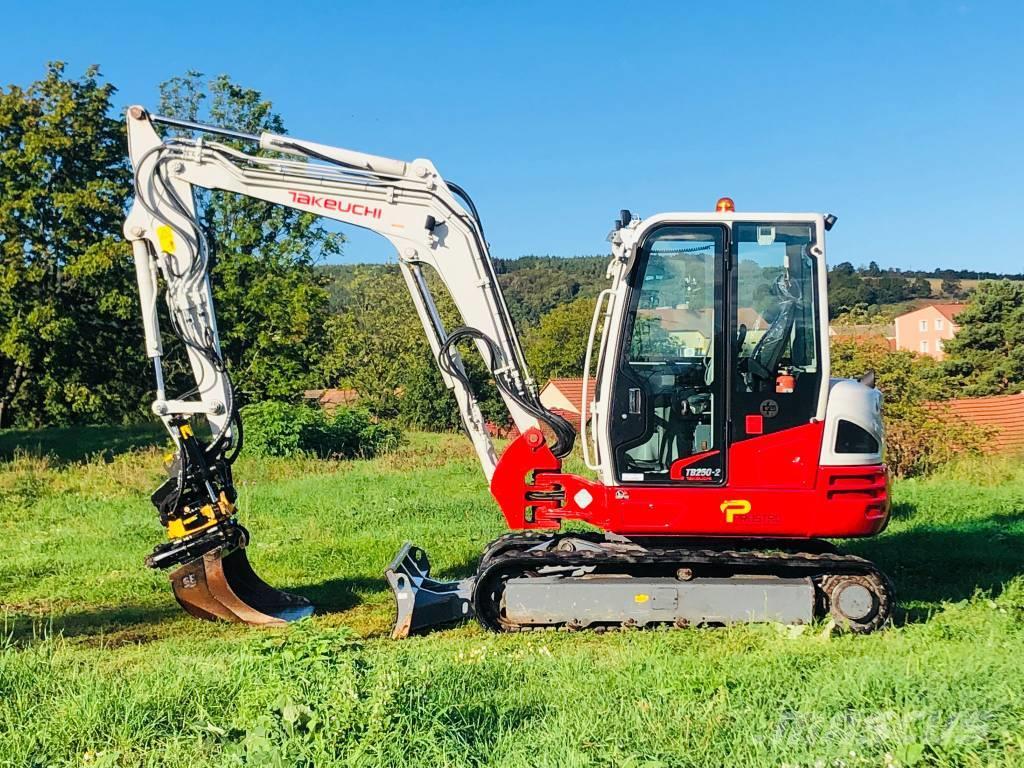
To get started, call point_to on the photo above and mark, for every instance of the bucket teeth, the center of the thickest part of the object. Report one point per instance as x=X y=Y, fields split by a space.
x=222 y=585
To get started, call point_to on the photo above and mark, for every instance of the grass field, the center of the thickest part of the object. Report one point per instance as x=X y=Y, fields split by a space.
x=99 y=667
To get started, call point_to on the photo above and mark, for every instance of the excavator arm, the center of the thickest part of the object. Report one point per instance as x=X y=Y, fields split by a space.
x=431 y=223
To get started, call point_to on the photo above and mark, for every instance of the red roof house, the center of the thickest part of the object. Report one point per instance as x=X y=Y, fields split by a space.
x=926 y=330
x=565 y=397
x=329 y=399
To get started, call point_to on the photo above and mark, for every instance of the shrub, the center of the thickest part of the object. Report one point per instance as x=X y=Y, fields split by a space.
x=921 y=440
x=285 y=429
x=919 y=436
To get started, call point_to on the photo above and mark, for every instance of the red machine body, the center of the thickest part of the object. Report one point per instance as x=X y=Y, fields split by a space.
x=776 y=489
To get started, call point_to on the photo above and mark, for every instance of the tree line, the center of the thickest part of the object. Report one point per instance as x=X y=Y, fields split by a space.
x=71 y=338
x=70 y=333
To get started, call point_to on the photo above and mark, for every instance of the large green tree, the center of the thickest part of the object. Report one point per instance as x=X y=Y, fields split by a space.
x=557 y=345
x=376 y=339
x=70 y=343
x=272 y=305
x=987 y=355
x=378 y=348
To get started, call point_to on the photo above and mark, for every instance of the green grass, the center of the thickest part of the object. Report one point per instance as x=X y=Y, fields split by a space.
x=99 y=667
x=80 y=443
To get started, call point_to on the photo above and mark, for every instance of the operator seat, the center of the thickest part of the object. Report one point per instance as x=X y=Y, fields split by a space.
x=763 y=363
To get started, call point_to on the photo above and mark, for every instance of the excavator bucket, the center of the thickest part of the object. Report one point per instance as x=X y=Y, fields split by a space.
x=222 y=585
x=423 y=602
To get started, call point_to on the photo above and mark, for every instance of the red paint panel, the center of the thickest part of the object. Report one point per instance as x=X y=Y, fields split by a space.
x=754 y=424
x=784 y=459
x=804 y=502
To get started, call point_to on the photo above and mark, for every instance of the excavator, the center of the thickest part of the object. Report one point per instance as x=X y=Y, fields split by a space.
x=724 y=456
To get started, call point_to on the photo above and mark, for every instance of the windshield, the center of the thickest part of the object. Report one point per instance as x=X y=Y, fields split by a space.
x=676 y=309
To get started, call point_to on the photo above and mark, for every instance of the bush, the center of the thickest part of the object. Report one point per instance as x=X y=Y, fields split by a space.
x=919 y=436
x=922 y=439
x=285 y=429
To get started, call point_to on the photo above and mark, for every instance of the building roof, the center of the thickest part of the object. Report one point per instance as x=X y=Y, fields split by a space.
x=948 y=311
x=331 y=398
x=1003 y=413
x=751 y=318
x=680 y=319
x=700 y=320
x=570 y=389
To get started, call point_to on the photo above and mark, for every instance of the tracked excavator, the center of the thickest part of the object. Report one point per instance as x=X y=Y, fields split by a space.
x=723 y=454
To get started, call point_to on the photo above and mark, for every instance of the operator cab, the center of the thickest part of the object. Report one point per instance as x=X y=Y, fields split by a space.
x=720 y=342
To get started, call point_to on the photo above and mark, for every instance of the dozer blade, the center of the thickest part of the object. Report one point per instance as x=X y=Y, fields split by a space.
x=422 y=602
x=222 y=585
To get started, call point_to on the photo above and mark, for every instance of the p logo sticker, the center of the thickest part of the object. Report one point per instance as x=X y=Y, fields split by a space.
x=735 y=507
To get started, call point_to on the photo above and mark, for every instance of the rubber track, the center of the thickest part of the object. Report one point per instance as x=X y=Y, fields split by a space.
x=507 y=557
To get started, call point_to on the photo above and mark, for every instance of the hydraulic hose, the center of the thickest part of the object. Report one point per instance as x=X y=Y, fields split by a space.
x=565 y=433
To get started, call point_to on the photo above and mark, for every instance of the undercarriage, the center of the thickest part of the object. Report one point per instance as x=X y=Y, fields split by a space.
x=574 y=581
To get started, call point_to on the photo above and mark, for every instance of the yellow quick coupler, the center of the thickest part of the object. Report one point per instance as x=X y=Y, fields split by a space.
x=194 y=521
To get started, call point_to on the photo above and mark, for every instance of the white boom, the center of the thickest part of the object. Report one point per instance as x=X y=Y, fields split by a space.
x=409 y=203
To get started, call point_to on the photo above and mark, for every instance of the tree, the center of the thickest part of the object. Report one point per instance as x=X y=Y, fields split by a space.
x=987 y=355
x=891 y=288
x=426 y=402
x=534 y=285
x=376 y=339
x=68 y=315
x=272 y=305
x=952 y=287
x=921 y=288
x=557 y=345
x=847 y=289
x=379 y=349
x=905 y=378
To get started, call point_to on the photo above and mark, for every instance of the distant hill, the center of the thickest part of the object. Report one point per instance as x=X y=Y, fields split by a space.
x=534 y=285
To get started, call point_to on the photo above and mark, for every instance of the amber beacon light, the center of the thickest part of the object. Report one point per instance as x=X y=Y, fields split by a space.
x=725 y=205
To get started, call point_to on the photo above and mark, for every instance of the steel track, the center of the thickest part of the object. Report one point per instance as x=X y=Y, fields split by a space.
x=524 y=554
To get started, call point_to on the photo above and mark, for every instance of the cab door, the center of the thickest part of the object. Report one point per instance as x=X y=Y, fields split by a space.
x=668 y=409
x=777 y=372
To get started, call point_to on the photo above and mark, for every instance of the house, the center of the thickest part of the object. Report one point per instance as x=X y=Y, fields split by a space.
x=329 y=399
x=927 y=329
x=1003 y=414
x=565 y=397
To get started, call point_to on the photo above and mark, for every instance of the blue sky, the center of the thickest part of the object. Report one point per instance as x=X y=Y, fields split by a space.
x=903 y=118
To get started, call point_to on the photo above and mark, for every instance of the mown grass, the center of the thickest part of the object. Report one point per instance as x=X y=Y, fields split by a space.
x=99 y=667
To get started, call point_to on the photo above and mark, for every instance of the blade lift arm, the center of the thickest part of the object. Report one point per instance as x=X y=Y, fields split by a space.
x=430 y=222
